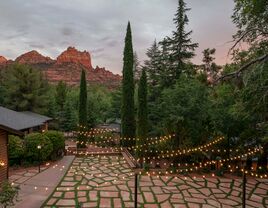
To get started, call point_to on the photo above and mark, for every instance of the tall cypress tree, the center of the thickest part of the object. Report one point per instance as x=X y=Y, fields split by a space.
x=82 y=108
x=142 y=127
x=180 y=45
x=127 y=108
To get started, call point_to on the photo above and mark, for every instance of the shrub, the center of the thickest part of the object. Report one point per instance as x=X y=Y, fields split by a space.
x=8 y=194
x=32 y=141
x=58 y=142
x=15 y=149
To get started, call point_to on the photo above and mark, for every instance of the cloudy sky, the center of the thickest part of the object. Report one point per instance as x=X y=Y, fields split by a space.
x=99 y=26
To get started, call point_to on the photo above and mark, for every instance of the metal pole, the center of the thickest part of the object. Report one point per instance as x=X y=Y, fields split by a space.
x=136 y=191
x=244 y=188
x=39 y=168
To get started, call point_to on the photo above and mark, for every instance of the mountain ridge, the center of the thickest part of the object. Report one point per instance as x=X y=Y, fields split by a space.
x=67 y=67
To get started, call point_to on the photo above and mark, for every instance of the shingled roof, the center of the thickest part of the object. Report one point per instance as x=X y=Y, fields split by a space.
x=21 y=120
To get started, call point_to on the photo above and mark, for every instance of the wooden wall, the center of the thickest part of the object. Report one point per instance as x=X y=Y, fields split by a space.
x=3 y=155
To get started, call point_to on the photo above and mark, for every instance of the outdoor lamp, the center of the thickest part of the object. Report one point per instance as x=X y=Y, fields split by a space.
x=2 y=164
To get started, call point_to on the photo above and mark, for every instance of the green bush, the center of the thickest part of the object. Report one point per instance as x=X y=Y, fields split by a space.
x=58 y=142
x=8 y=194
x=16 y=150
x=32 y=141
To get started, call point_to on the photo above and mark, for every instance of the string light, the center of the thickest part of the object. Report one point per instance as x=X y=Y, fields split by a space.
x=178 y=152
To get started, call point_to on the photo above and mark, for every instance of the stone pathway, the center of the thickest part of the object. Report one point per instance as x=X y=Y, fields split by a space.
x=34 y=191
x=21 y=175
x=107 y=181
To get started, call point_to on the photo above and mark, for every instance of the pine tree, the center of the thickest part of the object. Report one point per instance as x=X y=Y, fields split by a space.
x=82 y=108
x=211 y=69
x=180 y=46
x=153 y=64
x=61 y=91
x=69 y=117
x=127 y=108
x=142 y=127
x=25 y=89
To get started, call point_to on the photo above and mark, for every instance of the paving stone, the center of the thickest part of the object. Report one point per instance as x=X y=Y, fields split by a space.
x=149 y=197
x=193 y=205
x=117 y=202
x=57 y=194
x=66 y=202
x=105 y=202
x=109 y=194
x=90 y=205
x=52 y=201
x=162 y=197
x=107 y=186
x=228 y=202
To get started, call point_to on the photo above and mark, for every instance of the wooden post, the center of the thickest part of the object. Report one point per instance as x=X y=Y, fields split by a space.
x=136 y=191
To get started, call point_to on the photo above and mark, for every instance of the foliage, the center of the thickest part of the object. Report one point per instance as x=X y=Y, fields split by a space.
x=127 y=109
x=69 y=120
x=8 y=194
x=179 y=45
x=115 y=106
x=15 y=149
x=32 y=152
x=142 y=123
x=153 y=65
x=58 y=143
x=99 y=103
x=25 y=89
x=83 y=100
x=250 y=17
x=82 y=107
x=60 y=97
x=183 y=110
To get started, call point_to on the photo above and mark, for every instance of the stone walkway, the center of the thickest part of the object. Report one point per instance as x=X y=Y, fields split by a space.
x=34 y=191
x=107 y=181
x=21 y=175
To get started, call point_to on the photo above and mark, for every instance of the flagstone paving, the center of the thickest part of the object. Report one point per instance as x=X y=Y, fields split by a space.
x=20 y=176
x=107 y=181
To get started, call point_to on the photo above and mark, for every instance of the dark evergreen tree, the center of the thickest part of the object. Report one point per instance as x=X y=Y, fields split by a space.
x=82 y=109
x=51 y=107
x=25 y=89
x=142 y=127
x=153 y=65
x=61 y=91
x=179 y=45
x=210 y=67
x=127 y=109
x=69 y=117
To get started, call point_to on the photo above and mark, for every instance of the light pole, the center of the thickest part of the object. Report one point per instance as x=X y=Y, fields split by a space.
x=136 y=191
x=244 y=160
x=39 y=157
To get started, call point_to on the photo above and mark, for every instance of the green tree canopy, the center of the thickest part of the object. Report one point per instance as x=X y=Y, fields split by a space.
x=25 y=89
x=127 y=109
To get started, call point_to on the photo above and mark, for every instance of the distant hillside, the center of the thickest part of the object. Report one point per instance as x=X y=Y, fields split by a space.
x=67 y=67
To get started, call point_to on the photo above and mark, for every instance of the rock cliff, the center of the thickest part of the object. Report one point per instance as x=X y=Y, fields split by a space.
x=67 y=67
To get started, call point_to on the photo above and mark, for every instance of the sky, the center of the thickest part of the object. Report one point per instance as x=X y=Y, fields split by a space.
x=99 y=26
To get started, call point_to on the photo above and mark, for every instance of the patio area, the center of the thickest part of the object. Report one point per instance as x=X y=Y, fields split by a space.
x=107 y=181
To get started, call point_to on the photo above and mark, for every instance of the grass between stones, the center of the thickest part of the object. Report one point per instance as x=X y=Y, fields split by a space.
x=107 y=181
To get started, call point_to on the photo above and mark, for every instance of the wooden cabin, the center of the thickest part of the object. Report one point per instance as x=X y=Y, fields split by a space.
x=17 y=123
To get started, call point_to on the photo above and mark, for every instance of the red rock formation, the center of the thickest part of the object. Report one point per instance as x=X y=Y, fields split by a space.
x=33 y=57
x=72 y=55
x=68 y=68
x=3 y=60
